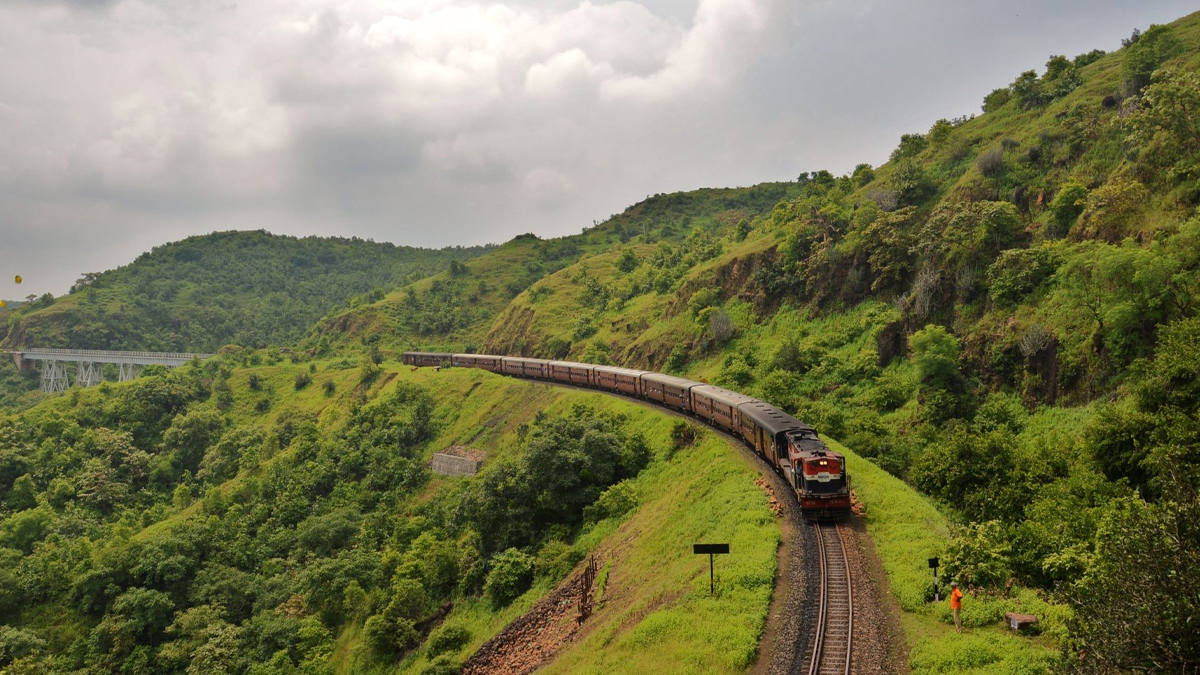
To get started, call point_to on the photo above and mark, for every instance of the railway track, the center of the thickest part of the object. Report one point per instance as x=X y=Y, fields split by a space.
x=835 y=615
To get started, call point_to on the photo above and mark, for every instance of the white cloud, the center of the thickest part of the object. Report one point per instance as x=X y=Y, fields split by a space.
x=124 y=123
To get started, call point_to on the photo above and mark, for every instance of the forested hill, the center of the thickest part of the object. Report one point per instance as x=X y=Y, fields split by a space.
x=1004 y=314
x=248 y=288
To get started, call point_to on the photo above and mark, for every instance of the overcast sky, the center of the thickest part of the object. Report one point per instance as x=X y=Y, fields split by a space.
x=125 y=124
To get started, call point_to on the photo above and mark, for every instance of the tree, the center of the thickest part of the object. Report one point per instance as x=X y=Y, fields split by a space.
x=1164 y=126
x=23 y=494
x=1136 y=610
x=629 y=261
x=145 y=613
x=1144 y=55
x=190 y=435
x=942 y=391
x=511 y=575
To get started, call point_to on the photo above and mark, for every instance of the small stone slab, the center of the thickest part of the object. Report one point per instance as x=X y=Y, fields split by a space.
x=1018 y=621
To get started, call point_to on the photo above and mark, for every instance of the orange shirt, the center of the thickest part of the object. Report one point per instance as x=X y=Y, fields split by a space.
x=956 y=599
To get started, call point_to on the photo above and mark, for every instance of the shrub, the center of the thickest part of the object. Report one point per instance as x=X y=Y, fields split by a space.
x=703 y=298
x=556 y=559
x=447 y=638
x=991 y=162
x=302 y=380
x=328 y=387
x=911 y=184
x=996 y=100
x=678 y=359
x=387 y=637
x=597 y=352
x=1110 y=207
x=443 y=665
x=1065 y=208
x=614 y=502
x=910 y=144
x=253 y=382
x=510 y=576
x=584 y=328
x=720 y=327
x=1018 y=272
x=629 y=261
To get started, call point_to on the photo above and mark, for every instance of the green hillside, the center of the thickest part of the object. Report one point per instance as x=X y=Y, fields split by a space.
x=456 y=308
x=987 y=315
x=999 y=324
x=282 y=518
x=248 y=288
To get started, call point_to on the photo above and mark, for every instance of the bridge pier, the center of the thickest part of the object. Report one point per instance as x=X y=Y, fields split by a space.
x=54 y=377
x=89 y=373
x=128 y=371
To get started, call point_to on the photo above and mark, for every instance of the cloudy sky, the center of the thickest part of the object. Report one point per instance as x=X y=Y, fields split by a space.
x=128 y=123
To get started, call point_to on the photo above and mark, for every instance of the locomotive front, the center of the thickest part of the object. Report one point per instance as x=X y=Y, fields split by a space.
x=822 y=484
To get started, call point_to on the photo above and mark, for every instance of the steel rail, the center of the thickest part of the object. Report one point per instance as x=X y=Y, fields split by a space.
x=831 y=651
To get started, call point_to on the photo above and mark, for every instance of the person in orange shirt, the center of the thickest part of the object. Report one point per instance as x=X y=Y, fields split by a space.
x=956 y=597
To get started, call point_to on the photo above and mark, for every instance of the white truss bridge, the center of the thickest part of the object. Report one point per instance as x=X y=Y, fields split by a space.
x=89 y=364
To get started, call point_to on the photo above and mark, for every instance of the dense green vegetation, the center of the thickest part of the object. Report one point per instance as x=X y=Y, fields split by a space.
x=457 y=307
x=248 y=288
x=177 y=524
x=1002 y=316
x=982 y=316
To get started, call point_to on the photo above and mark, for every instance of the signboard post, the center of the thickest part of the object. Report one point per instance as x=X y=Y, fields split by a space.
x=711 y=550
x=933 y=564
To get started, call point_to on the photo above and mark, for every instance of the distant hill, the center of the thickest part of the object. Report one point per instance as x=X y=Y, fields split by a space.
x=248 y=288
x=457 y=308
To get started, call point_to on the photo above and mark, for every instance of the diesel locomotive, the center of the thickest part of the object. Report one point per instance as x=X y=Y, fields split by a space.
x=816 y=473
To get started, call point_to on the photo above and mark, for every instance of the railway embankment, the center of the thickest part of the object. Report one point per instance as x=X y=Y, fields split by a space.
x=905 y=529
x=654 y=610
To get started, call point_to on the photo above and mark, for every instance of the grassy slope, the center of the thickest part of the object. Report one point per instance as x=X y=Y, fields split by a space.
x=657 y=614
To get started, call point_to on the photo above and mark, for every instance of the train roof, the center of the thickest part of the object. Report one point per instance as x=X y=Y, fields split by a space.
x=524 y=359
x=617 y=370
x=721 y=394
x=572 y=364
x=445 y=354
x=770 y=418
x=669 y=379
x=478 y=356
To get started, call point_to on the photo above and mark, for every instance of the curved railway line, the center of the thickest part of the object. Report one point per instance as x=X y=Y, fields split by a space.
x=834 y=629
x=814 y=476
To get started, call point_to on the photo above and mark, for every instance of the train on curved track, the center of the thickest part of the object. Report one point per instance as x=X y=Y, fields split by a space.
x=816 y=473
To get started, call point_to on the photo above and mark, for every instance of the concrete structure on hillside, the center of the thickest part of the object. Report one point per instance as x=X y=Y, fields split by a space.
x=89 y=364
x=457 y=461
